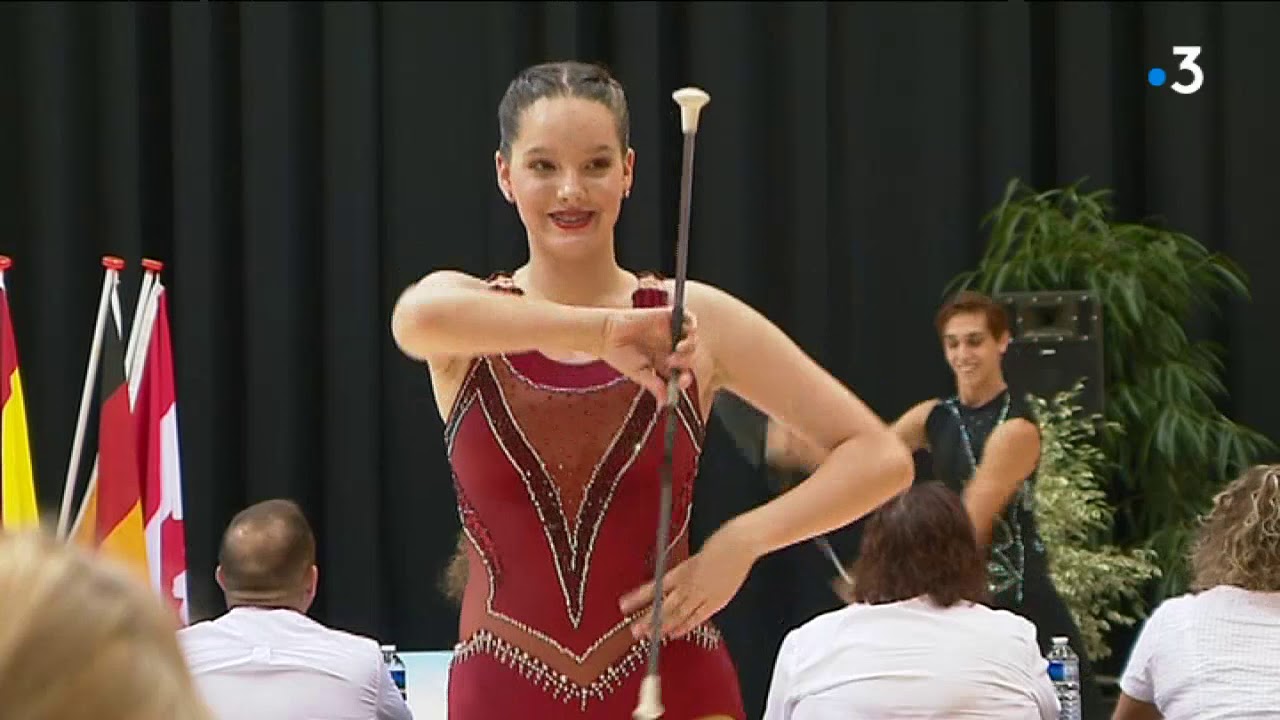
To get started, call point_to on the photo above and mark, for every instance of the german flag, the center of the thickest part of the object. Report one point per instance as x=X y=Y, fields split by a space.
x=118 y=512
x=18 y=510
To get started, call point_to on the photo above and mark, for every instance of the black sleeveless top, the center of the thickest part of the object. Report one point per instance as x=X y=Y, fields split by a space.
x=957 y=436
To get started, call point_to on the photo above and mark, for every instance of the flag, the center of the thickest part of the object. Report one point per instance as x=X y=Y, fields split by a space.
x=156 y=414
x=18 y=510
x=118 y=500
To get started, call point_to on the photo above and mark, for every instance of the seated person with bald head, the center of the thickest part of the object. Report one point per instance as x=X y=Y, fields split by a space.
x=265 y=658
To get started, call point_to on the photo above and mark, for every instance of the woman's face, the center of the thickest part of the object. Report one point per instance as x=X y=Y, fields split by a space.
x=567 y=175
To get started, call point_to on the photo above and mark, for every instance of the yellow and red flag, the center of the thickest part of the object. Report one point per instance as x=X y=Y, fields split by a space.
x=18 y=509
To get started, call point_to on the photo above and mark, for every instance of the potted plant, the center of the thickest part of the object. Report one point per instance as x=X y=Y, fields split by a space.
x=1100 y=583
x=1177 y=448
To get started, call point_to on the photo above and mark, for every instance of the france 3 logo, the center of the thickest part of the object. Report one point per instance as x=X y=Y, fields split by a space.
x=1156 y=77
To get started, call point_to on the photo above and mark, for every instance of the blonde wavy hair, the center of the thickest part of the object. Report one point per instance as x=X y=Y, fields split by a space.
x=84 y=639
x=1239 y=542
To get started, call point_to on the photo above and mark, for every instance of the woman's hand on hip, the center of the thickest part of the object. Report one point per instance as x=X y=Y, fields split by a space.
x=698 y=588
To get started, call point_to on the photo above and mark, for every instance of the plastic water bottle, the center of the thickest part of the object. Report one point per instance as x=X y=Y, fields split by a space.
x=1064 y=671
x=396 y=665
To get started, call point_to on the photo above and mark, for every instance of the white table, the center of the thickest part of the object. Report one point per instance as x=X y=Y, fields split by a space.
x=426 y=680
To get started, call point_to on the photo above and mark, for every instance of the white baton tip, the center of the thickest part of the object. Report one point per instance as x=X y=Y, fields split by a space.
x=691 y=100
x=650 y=707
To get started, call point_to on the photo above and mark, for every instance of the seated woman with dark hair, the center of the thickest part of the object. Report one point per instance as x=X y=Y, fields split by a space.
x=917 y=641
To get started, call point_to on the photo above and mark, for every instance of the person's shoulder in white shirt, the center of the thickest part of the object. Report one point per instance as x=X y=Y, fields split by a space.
x=243 y=660
x=1208 y=655
x=914 y=659
x=266 y=658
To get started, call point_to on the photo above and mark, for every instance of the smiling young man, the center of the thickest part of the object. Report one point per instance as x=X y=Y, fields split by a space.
x=985 y=445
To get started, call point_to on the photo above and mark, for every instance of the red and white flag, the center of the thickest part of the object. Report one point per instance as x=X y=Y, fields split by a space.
x=156 y=412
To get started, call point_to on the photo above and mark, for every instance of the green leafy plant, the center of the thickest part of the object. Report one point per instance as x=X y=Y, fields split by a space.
x=1100 y=583
x=1160 y=383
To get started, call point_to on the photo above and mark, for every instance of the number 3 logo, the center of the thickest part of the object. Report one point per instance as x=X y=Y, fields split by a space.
x=1188 y=53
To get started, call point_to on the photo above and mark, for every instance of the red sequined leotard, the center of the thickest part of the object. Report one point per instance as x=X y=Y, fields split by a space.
x=557 y=471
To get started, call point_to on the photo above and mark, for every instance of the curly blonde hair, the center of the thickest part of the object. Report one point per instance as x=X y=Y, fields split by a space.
x=82 y=638
x=1239 y=542
x=453 y=582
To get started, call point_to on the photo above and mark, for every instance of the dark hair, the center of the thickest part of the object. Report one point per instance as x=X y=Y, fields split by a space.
x=921 y=542
x=561 y=79
x=266 y=552
x=969 y=301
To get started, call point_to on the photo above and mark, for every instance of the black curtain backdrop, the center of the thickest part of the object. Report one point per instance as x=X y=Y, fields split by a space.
x=297 y=165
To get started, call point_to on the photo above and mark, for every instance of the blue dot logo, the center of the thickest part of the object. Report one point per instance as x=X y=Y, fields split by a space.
x=1156 y=77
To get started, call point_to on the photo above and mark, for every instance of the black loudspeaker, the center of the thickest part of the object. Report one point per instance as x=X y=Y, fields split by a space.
x=1056 y=340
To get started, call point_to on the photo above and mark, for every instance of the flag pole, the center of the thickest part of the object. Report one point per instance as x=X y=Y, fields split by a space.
x=84 y=502
x=144 y=295
x=143 y=325
x=110 y=276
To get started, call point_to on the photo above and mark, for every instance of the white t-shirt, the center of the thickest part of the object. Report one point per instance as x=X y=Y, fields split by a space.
x=258 y=663
x=1215 y=654
x=912 y=659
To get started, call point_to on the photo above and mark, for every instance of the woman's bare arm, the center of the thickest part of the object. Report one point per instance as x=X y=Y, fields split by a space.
x=865 y=463
x=1128 y=708
x=786 y=449
x=448 y=315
